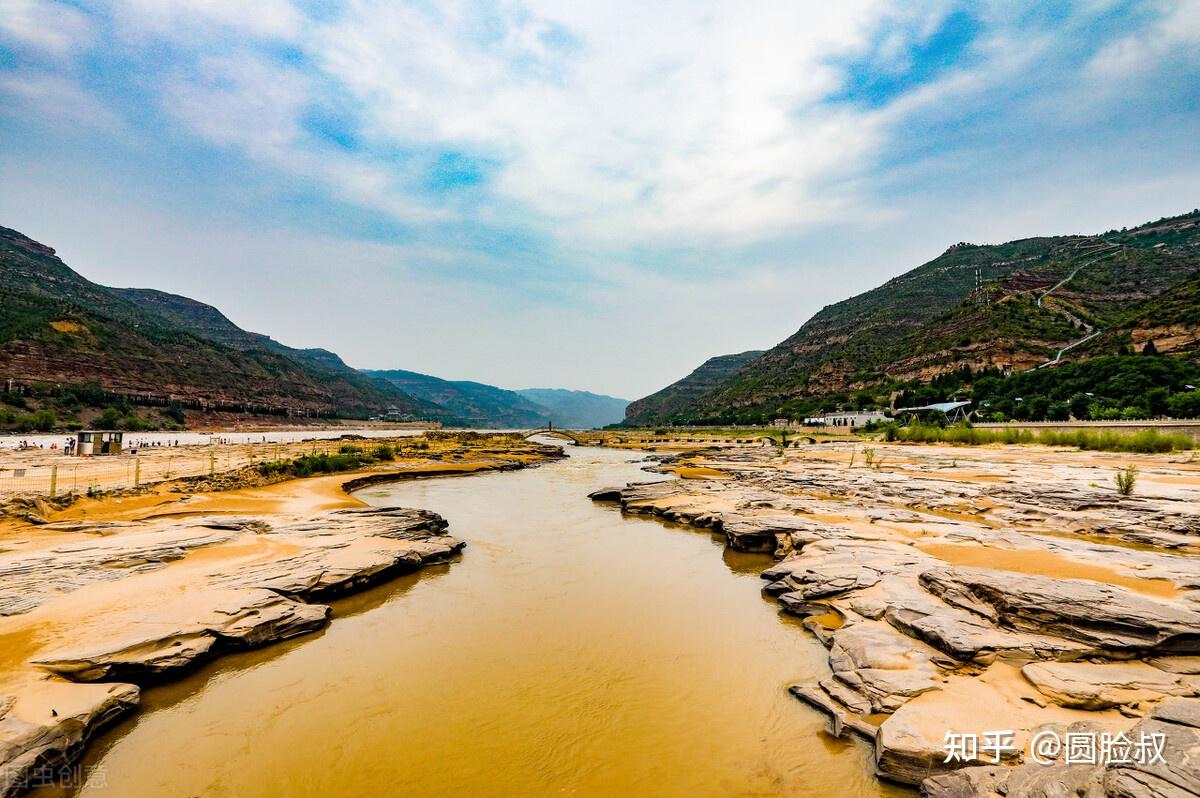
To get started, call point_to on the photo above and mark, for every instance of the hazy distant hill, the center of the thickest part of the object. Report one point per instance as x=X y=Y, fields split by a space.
x=579 y=409
x=973 y=306
x=678 y=397
x=58 y=327
x=471 y=403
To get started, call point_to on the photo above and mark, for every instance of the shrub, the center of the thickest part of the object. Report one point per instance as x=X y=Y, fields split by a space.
x=1125 y=480
x=1148 y=441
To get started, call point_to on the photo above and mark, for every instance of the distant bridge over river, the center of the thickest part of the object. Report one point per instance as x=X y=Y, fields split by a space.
x=552 y=432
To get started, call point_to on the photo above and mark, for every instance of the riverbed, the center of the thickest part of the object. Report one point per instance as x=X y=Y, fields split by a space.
x=570 y=651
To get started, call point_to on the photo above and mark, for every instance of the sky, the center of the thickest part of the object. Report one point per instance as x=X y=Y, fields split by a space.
x=590 y=195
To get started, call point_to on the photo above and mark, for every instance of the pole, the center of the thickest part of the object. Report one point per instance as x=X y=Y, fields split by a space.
x=53 y=480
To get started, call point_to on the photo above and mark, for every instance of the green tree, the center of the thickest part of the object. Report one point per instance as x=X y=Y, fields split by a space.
x=1185 y=405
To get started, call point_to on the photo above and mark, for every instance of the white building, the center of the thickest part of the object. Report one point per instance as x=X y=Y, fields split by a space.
x=852 y=418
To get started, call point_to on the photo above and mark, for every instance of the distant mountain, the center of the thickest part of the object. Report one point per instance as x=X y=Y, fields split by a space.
x=678 y=397
x=578 y=409
x=975 y=307
x=361 y=393
x=471 y=403
x=58 y=327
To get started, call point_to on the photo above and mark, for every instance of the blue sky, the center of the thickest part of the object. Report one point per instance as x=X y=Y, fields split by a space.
x=586 y=195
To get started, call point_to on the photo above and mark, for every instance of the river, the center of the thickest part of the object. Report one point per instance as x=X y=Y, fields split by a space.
x=571 y=651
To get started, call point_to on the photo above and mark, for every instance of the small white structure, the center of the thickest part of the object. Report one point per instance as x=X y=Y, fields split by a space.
x=94 y=442
x=853 y=418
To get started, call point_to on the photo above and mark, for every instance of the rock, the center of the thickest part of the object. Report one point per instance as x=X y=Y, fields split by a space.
x=882 y=665
x=605 y=495
x=839 y=718
x=33 y=740
x=1106 y=616
x=180 y=634
x=1178 y=775
x=764 y=533
x=1030 y=781
x=1085 y=685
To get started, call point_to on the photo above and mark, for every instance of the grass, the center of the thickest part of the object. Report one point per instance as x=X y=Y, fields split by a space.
x=348 y=458
x=1148 y=441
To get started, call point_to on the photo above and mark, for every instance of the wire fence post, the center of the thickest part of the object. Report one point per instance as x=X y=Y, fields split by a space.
x=53 y=481
x=137 y=473
x=212 y=464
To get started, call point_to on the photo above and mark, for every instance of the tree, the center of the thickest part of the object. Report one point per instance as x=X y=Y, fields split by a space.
x=1150 y=348
x=1080 y=405
x=1058 y=411
x=1184 y=405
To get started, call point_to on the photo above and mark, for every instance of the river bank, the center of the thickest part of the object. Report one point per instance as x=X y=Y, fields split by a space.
x=115 y=592
x=966 y=591
x=570 y=650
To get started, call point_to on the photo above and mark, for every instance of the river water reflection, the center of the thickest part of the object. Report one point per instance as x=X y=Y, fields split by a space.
x=570 y=651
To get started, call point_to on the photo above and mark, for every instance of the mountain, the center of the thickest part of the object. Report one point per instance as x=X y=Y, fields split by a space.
x=471 y=403
x=979 y=307
x=57 y=327
x=678 y=397
x=577 y=409
x=350 y=387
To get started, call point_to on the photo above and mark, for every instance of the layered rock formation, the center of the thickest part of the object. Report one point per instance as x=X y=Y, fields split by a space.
x=967 y=591
x=117 y=605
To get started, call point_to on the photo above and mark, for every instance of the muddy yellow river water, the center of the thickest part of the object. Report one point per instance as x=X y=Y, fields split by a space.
x=570 y=651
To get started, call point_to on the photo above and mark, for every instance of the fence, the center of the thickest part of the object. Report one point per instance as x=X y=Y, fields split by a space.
x=49 y=473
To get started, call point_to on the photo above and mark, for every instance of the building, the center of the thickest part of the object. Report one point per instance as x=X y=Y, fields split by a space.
x=97 y=442
x=852 y=418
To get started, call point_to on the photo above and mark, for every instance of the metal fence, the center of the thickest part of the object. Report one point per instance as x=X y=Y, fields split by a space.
x=49 y=473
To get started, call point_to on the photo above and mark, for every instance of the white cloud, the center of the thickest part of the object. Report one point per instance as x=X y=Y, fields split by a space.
x=1176 y=30
x=47 y=27
x=664 y=120
x=181 y=19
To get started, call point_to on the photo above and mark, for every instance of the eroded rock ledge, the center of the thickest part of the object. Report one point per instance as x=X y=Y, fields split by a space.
x=133 y=603
x=953 y=596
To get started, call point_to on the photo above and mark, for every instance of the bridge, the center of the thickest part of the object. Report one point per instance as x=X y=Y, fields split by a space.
x=551 y=432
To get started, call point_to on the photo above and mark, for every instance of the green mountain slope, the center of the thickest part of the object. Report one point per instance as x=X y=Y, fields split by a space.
x=973 y=306
x=60 y=328
x=577 y=409
x=350 y=387
x=679 y=398
x=472 y=403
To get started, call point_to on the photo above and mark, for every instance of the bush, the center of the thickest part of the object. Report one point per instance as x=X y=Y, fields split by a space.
x=385 y=453
x=174 y=411
x=42 y=421
x=1148 y=441
x=1125 y=480
x=109 y=418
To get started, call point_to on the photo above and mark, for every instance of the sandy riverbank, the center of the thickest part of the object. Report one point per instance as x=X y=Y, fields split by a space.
x=970 y=589
x=114 y=592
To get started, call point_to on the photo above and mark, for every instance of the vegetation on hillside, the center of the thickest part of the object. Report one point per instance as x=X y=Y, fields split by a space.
x=975 y=307
x=60 y=328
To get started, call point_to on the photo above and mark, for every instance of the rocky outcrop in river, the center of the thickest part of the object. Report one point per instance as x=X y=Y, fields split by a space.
x=965 y=592
x=116 y=605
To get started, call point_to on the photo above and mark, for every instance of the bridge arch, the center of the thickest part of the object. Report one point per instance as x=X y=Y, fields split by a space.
x=548 y=432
